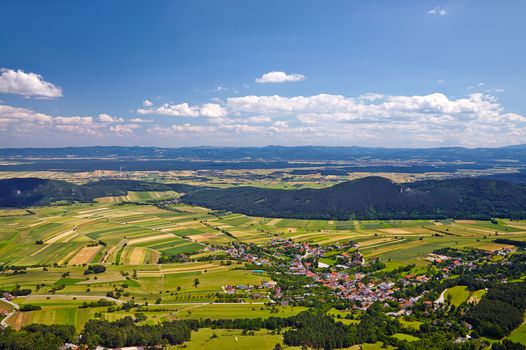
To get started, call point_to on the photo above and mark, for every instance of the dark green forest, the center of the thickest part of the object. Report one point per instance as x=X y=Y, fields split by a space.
x=374 y=198
x=26 y=192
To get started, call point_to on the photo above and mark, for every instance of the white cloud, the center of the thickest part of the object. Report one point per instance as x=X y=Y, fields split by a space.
x=437 y=11
x=141 y=120
x=86 y=121
x=189 y=128
x=178 y=110
x=279 y=126
x=26 y=84
x=147 y=103
x=16 y=121
x=106 y=118
x=178 y=129
x=478 y=119
x=210 y=110
x=379 y=109
x=242 y=128
x=279 y=77
x=124 y=128
x=259 y=119
x=10 y=114
x=370 y=119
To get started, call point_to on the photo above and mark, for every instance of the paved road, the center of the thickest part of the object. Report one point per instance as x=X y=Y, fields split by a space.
x=3 y=322
x=441 y=299
x=98 y=297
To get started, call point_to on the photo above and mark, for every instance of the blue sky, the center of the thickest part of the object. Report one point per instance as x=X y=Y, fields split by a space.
x=369 y=73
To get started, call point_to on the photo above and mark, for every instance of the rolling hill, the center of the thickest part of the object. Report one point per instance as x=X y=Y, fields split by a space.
x=374 y=198
x=366 y=198
x=25 y=192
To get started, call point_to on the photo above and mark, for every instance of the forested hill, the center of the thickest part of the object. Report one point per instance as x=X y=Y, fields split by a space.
x=25 y=192
x=374 y=198
x=367 y=198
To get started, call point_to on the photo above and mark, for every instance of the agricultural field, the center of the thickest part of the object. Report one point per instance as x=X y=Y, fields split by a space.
x=519 y=334
x=130 y=235
x=222 y=339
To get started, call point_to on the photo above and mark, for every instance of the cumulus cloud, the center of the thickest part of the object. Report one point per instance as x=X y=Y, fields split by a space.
x=141 y=120
x=279 y=77
x=147 y=103
x=259 y=119
x=80 y=121
x=209 y=110
x=27 y=84
x=178 y=129
x=381 y=108
x=437 y=11
x=124 y=128
x=16 y=121
x=371 y=119
x=106 y=118
x=10 y=114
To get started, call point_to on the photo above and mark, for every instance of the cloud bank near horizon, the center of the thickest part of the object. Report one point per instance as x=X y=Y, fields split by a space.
x=325 y=119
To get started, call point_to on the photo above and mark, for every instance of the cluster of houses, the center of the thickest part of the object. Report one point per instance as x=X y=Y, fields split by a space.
x=242 y=251
x=449 y=263
x=312 y=261
x=249 y=287
x=306 y=262
x=352 y=287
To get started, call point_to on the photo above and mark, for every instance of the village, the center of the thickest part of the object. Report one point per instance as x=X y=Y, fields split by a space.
x=351 y=278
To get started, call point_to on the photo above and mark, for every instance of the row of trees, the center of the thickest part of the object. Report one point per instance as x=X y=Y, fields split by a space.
x=125 y=332
x=36 y=337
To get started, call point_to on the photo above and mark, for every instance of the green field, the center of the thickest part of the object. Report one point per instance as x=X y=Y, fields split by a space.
x=458 y=295
x=135 y=236
x=403 y=336
x=519 y=334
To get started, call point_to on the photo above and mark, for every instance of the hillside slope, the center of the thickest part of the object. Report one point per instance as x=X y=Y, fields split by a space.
x=25 y=192
x=374 y=198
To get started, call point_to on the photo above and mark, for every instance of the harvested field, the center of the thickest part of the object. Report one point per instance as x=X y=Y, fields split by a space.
x=137 y=256
x=85 y=255
x=150 y=238
x=395 y=231
x=61 y=236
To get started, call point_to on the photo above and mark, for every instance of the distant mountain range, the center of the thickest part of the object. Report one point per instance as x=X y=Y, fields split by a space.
x=270 y=153
x=374 y=198
x=446 y=159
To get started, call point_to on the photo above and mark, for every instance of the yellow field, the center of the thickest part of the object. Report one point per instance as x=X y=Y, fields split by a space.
x=84 y=256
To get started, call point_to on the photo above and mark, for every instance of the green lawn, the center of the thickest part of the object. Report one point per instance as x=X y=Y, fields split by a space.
x=458 y=294
x=224 y=339
x=519 y=334
x=403 y=336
